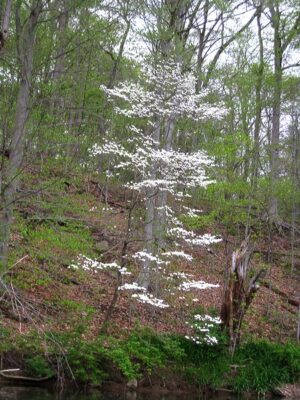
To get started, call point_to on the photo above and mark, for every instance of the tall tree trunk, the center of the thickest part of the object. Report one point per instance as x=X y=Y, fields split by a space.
x=296 y=184
x=149 y=230
x=258 y=103
x=275 y=134
x=62 y=24
x=4 y=20
x=25 y=45
x=282 y=39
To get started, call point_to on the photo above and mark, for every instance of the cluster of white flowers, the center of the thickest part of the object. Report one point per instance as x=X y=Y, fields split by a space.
x=174 y=169
x=191 y=238
x=145 y=298
x=132 y=286
x=202 y=326
x=181 y=254
x=148 y=298
x=144 y=255
x=166 y=92
x=208 y=339
x=179 y=275
x=88 y=264
x=192 y=212
x=163 y=94
x=207 y=319
x=189 y=285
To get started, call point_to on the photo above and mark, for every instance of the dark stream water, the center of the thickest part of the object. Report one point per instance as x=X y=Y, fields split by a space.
x=34 y=393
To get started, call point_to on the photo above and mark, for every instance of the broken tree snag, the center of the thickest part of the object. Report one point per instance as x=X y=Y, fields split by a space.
x=239 y=292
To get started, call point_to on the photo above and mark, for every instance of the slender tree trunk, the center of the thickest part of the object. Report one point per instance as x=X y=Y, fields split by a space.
x=281 y=40
x=275 y=133
x=149 y=230
x=4 y=19
x=26 y=39
x=113 y=74
x=296 y=182
x=258 y=103
x=62 y=24
x=201 y=46
x=118 y=59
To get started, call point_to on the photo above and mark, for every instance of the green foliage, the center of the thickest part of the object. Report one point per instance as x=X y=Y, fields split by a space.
x=199 y=222
x=31 y=343
x=86 y=361
x=5 y=339
x=63 y=243
x=37 y=366
x=145 y=347
x=264 y=365
x=82 y=359
x=205 y=364
x=72 y=305
x=118 y=353
x=260 y=365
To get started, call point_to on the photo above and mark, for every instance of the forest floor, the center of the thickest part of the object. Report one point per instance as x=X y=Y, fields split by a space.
x=66 y=217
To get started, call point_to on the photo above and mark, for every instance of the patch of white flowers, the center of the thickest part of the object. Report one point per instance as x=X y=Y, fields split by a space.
x=189 y=285
x=181 y=254
x=172 y=93
x=180 y=275
x=144 y=255
x=203 y=325
x=192 y=238
x=163 y=94
x=147 y=298
x=174 y=169
x=192 y=212
x=88 y=264
x=132 y=286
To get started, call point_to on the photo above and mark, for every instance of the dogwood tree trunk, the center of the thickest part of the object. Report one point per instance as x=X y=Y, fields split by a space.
x=149 y=229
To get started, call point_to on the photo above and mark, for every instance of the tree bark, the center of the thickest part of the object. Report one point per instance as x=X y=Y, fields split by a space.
x=258 y=103
x=25 y=45
x=5 y=18
x=275 y=133
x=239 y=293
x=281 y=40
x=149 y=229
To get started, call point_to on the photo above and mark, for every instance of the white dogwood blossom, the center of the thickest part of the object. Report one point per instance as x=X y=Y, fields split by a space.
x=88 y=264
x=181 y=254
x=148 y=298
x=144 y=255
x=188 y=285
x=164 y=91
x=161 y=97
x=192 y=238
x=204 y=326
x=132 y=286
x=175 y=169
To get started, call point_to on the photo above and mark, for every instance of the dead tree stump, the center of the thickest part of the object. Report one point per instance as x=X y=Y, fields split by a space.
x=239 y=292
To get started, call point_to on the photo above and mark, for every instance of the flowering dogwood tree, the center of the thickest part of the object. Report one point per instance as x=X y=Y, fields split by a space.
x=162 y=98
